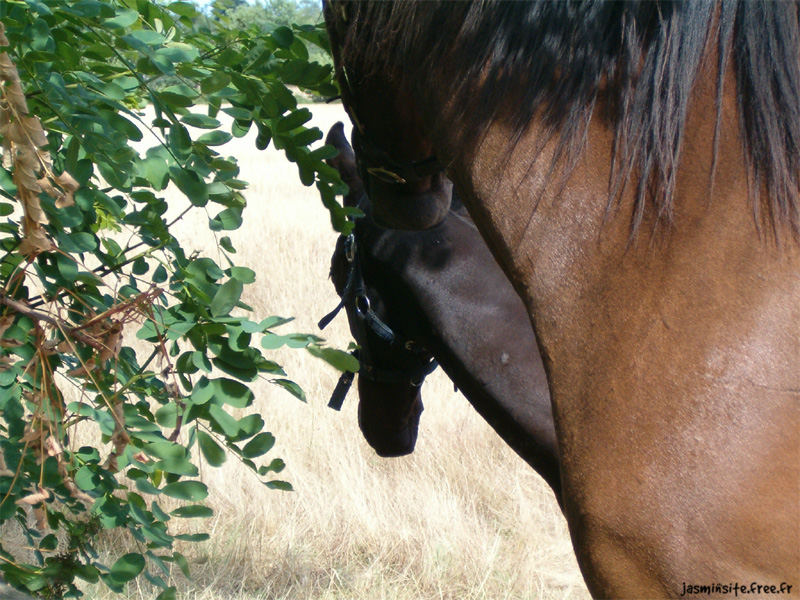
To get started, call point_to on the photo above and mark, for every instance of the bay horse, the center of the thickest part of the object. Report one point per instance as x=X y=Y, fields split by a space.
x=635 y=169
x=441 y=295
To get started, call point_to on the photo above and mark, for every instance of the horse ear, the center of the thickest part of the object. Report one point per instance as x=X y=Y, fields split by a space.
x=337 y=138
x=345 y=161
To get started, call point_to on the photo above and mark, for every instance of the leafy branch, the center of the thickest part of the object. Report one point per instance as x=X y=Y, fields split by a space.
x=74 y=176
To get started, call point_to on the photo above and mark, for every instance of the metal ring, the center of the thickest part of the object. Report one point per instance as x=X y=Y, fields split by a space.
x=362 y=305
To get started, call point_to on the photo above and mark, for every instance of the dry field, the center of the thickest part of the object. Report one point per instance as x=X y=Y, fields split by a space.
x=462 y=518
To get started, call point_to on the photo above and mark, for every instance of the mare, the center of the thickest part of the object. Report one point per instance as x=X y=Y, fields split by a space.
x=634 y=167
x=442 y=294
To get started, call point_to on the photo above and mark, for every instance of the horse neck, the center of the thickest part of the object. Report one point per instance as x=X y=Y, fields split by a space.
x=567 y=252
x=665 y=342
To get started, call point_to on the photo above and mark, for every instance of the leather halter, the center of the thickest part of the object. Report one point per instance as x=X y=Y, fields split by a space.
x=355 y=295
x=375 y=161
x=378 y=163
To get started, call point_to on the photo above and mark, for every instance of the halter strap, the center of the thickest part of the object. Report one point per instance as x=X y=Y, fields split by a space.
x=415 y=377
x=375 y=161
x=379 y=164
x=355 y=294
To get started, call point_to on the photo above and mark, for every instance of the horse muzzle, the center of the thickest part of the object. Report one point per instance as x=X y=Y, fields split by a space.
x=388 y=416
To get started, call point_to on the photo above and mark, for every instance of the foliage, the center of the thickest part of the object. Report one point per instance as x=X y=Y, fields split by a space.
x=88 y=258
x=267 y=15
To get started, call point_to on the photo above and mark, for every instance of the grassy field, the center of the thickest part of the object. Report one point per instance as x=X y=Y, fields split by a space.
x=462 y=518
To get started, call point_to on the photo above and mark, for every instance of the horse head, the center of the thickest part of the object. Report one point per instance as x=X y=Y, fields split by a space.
x=392 y=368
x=405 y=180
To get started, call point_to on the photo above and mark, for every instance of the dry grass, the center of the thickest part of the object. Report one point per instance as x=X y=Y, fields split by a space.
x=461 y=518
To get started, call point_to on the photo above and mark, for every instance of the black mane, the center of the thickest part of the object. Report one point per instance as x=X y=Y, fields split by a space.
x=633 y=63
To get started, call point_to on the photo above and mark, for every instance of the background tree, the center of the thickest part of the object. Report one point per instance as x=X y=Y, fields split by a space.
x=268 y=14
x=88 y=259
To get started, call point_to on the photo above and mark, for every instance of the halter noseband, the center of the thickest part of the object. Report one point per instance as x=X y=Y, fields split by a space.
x=378 y=163
x=375 y=161
x=355 y=294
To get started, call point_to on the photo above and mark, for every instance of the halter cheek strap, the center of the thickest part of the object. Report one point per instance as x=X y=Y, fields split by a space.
x=355 y=294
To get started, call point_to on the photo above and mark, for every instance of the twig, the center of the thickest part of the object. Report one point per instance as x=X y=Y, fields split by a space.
x=20 y=308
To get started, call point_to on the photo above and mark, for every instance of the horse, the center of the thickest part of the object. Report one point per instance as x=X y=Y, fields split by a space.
x=634 y=168
x=422 y=288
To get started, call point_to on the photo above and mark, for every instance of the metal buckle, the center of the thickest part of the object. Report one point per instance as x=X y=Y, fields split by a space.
x=350 y=248
x=386 y=175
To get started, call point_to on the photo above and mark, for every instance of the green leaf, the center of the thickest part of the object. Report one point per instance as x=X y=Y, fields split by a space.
x=202 y=392
x=294 y=120
x=158 y=513
x=226 y=423
x=181 y=561
x=184 y=9
x=167 y=415
x=215 y=82
x=276 y=466
x=140 y=266
x=193 y=511
x=49 y=542
x=336 y=358
x=276 y=484
x=200 y=121
x=177 y=466
x=186 y=490
x=78 y=242
x=190 y=183
x=291 y=387
x=67 y=267
x=125 y=18
x=229 y=219
x=226 y=298
x=127 y=567
x=248 y=426
x=259 y=445
x=227 y=245
x=215 y=138
x=160 y=274
x=147 y=37
x=243 y=274
x=154 y=170
x=168 y=594
x=177 y=52
x=284 y=36
x=213 y=453
x=192 y=537
x=180 y=142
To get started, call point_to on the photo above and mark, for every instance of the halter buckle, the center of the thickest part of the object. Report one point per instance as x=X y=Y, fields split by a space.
x=386 y=175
